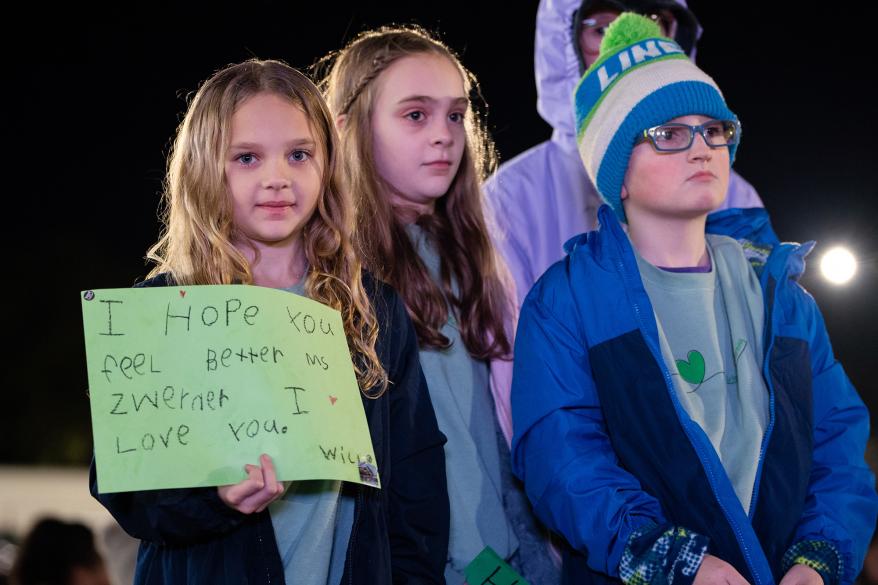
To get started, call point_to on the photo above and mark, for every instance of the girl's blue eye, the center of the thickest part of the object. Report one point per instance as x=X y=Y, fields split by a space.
x=456 y=117
x=416 y=116
x=300 y=155
x=246 y=158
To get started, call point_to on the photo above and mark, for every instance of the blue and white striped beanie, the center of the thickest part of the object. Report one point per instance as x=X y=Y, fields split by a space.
x=640 y=80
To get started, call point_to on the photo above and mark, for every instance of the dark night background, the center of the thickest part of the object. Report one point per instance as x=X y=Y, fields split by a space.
x=93 y=100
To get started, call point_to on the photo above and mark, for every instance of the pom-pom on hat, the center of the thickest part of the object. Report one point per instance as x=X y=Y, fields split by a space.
x=640 y=80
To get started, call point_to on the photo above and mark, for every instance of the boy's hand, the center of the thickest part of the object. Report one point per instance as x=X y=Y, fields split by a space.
x=715 y=571
x=801 y=575
x=256 y=492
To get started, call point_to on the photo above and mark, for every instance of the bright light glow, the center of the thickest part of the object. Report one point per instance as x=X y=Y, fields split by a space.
x=838 y=265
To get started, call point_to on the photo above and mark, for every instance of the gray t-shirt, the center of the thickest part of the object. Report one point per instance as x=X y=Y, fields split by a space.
x=459 y=390
x=710 y=330
x=312 y=525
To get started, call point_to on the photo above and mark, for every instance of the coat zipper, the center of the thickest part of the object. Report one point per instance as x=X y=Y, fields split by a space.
x=766 y=375
x=262 y=550
x=669 y=386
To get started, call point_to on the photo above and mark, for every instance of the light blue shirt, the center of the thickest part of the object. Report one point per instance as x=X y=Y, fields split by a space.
x=710 y=330
x=312 y=525
x=460 y=392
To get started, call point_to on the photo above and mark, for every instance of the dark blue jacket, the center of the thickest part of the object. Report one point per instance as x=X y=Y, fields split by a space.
x=604 y=446
x=400 y=532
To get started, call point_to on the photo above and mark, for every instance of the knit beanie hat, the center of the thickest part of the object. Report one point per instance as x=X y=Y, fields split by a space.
x=640 y=80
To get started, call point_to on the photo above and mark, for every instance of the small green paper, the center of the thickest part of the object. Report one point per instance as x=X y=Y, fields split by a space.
x=188 y=384
x=489 y=569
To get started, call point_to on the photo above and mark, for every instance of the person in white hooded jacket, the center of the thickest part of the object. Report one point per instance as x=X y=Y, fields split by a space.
x=543 y=197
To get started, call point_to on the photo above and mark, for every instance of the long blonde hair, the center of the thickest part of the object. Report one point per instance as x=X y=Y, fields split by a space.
x=196 y=246
x=457 y=226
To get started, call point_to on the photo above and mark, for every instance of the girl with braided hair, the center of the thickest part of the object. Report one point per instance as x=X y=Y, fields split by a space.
x=414 y=155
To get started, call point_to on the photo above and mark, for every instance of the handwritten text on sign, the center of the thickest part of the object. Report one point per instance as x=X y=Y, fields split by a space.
x=188 y=384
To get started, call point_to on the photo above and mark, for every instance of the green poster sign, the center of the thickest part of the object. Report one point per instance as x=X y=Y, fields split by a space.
x=188 y=384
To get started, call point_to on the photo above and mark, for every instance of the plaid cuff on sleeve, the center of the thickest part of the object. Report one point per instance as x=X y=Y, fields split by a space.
x=662 y=554
x=820 y=555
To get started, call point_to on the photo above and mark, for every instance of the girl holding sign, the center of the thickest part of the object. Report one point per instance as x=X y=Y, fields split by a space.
x=252 y=197
x=414 y=155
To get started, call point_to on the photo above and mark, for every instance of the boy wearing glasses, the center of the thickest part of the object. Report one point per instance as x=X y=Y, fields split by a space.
x=679 y=415
x=543 y=196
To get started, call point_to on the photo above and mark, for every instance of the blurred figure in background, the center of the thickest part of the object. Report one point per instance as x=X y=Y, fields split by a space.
x=59 y=553
x=8 y=552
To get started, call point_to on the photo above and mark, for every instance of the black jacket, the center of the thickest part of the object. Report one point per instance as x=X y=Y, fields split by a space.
x=400 y=532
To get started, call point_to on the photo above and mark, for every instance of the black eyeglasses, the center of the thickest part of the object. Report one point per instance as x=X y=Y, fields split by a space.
x=593 y=29
x=675 y=137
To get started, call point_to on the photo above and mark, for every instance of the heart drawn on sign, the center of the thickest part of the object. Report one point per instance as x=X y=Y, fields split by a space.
x=332 y=399
x=182 y=293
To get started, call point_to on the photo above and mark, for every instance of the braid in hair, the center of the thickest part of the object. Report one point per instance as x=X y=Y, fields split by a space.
x=480 y=302
x=379 y=64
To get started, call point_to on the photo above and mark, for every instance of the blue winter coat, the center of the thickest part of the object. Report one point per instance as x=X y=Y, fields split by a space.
x=604 y=446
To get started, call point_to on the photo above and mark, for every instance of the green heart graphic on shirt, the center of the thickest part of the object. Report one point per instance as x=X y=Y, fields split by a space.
x=693 y=370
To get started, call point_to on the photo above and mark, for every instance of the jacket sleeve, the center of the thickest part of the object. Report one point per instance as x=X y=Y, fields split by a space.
x=510 y=234
x=169 y=516
x=561 y=449
x=418 y=496
x=501 y=386
x=501 y=369
x=841 y=505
